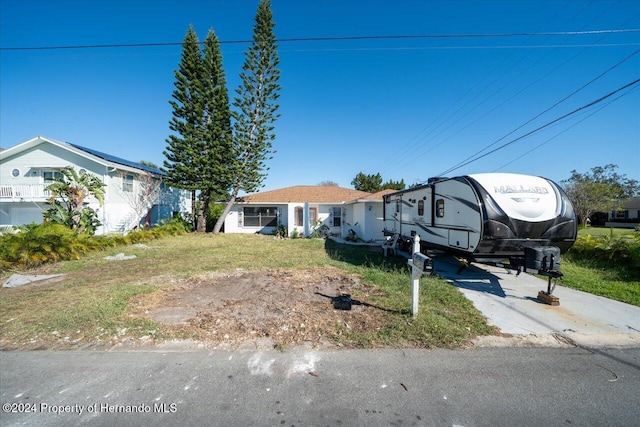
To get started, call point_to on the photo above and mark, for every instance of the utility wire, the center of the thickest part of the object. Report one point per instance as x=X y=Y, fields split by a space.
x=345 y=38
x=565 y=130
x=630 y=84
x=422 y=135
x=546 y=110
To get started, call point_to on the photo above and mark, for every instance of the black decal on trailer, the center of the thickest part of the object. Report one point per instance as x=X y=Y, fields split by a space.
x=469 y=203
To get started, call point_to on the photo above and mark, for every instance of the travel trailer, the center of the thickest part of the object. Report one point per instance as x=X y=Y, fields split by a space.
x=490 y=218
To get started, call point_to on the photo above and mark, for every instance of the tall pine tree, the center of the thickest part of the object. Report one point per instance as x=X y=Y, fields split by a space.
x=217 y=149
x=201 y=122
x=256 y=110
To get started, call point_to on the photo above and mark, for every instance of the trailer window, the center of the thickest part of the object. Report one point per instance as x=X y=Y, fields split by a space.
x=440 y=208
x=420 y=207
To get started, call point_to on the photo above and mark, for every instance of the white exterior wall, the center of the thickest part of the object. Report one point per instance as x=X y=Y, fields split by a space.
x=287 y=217
x=366 y=219
x=115 y=214
x=234 y=222
x=374 y=221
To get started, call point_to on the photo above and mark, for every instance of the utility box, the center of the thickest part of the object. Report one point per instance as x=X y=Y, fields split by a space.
x=542 y=258
x=422 y=262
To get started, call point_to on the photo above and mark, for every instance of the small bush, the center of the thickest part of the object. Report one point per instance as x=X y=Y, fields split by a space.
x=37 y=244
x=608 y=251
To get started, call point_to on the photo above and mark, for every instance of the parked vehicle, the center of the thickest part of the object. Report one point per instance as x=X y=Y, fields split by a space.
x=488 y=217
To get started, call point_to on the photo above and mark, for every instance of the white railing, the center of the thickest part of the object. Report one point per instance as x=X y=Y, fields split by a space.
x=27 y=192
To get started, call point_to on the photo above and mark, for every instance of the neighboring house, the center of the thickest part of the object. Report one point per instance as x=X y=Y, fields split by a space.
x=302 y=208
x=628 y=217
x=134 y=194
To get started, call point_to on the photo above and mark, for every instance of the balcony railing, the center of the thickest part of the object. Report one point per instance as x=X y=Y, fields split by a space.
x=24 y=192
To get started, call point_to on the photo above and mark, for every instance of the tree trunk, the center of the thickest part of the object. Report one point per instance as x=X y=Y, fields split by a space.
x=193 y=209
x=203 y=208
x=225 y=212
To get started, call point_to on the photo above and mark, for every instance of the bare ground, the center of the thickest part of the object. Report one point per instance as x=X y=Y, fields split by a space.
x=263 y=309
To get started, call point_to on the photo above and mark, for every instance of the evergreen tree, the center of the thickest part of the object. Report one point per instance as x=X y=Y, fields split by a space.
x=200 y=152
x=186 y=121
x=369 y=183
x=394 y=185
x=217 y=150
x=256 y=109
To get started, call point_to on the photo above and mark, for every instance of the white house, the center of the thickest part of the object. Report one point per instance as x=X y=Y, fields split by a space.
x=627 y=217
x=134 y=193
x=302 y=208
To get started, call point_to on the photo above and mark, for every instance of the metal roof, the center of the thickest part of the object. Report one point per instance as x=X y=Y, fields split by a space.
x=118 y=160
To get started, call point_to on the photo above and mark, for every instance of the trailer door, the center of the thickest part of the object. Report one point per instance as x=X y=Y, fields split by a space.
x=459 y=239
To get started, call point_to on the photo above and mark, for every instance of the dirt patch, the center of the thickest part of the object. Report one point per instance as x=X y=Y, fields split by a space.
x=268 y=308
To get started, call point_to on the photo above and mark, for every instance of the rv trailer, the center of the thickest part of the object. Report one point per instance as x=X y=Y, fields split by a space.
x=487 y=218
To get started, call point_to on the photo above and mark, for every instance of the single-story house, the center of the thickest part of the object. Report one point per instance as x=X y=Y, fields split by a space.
x=303 y=208
x=628 y=216
x=134 y=193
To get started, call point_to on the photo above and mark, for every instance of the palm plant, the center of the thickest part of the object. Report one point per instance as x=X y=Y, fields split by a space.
x=68 y=194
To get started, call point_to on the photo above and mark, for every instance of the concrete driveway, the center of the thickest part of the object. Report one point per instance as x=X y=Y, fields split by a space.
x=510 y=303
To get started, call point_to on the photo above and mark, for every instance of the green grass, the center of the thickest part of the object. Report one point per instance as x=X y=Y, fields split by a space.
x=603 y=231
x=621 y=284
x=92 y=303
x=94 y=300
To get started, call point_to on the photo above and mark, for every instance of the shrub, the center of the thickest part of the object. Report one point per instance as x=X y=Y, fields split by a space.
x=36 y=244
x=39 y=243
x=608 y=251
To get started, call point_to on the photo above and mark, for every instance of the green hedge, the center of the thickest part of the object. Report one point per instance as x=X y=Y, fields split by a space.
x=36 y=244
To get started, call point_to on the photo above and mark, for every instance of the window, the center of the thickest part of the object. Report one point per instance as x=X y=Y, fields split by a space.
x=260 y=216
x=420 y=207
x=127 y=183
x=337 y=216
x=617 y=215
x=51 y=175
x=299 y=216
x=440 y=208
x=15 y=173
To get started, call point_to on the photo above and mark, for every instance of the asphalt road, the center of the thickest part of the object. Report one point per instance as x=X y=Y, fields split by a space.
x=475 y=387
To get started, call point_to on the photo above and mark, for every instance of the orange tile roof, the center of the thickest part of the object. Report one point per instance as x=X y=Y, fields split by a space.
x=378 y=195
x=306 y=193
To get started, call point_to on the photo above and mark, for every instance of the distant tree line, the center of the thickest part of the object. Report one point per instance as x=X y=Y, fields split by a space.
x=373 y=183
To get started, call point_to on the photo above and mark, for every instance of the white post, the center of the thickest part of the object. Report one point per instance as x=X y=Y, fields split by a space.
x=416 y=244
x=415 y=276
x=306 y=221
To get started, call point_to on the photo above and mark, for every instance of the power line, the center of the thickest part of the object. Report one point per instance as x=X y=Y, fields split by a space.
x=630 y=84
x=345 y=38
x=422 y=135
x=565 y=130
x=546 y=110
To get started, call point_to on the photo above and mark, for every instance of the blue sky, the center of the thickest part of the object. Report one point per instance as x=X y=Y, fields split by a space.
x=408 y=108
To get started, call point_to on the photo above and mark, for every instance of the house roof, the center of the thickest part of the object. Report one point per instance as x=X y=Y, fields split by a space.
x=118 y=160
x=94 y=155
x=306 y=193
x=374 y=197
x=633 y=203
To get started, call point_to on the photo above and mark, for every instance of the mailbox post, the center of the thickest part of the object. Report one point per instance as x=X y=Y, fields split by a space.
x=420 y=264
